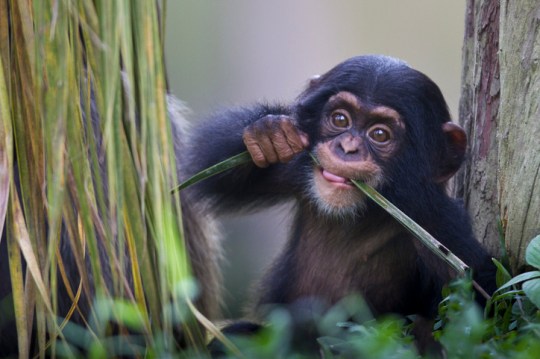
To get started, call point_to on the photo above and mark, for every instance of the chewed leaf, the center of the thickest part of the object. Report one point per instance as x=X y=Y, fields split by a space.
x=229 y=163
x=314 y=158
x=421 y=234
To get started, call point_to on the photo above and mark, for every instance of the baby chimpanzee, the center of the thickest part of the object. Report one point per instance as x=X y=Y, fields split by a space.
x=370 y=118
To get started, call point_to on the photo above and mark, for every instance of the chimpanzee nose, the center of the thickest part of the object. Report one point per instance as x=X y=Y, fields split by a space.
x=350 y=144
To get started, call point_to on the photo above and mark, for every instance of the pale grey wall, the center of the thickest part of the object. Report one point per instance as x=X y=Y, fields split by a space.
x=237 y=51
x=223 y=52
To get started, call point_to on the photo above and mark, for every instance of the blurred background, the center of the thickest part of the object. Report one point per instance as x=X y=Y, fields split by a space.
x=230 y=52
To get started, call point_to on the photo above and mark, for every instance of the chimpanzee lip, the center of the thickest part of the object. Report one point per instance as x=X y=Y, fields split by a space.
x=335 y=179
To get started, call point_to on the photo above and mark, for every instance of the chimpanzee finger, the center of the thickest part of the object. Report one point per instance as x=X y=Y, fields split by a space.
x=297 y=140
x=282 y=147
x=255 y=151
x=267 y=146
x=260 y=145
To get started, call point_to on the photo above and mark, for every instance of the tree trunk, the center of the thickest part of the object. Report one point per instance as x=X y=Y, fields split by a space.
x=499 y=108
x=519 y=125
x=478 y=112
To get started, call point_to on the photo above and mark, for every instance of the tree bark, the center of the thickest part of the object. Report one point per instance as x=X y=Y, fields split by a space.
x=478 y=111
x=499 y=108
x=519 y=125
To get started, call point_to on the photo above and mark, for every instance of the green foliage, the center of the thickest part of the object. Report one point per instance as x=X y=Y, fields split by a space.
x=382 y=338
x=508 y=328
x=462 y=328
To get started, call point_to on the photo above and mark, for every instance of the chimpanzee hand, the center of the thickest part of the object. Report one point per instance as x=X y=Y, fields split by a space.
x=274 y=138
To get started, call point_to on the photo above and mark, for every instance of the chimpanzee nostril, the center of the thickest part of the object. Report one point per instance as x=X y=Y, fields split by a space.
x=350 y=144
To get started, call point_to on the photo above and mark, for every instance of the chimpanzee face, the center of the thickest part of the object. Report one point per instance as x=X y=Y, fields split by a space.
x=355 y=141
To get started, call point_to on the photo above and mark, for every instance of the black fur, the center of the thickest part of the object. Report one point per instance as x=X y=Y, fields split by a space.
x=402 y=277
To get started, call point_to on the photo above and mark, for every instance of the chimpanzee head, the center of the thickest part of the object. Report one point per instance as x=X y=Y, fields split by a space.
x=375 y=119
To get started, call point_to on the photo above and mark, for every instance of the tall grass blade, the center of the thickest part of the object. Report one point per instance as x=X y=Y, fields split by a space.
x=6 y=145
x=85 y=104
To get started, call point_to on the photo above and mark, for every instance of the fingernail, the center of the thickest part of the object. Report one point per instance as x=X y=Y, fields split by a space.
x=305 y=139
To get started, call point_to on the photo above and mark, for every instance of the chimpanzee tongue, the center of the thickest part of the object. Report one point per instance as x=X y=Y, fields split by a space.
x=330 y=177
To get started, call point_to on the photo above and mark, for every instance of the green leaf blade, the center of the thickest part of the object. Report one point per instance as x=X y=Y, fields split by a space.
x=223 y=166
x=421 y=234
x=520 y=278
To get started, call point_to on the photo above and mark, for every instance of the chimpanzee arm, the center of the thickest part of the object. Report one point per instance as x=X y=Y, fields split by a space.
x=221 y=137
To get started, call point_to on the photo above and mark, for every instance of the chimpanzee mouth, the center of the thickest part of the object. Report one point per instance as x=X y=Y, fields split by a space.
x=335 y=195
x=335 y=179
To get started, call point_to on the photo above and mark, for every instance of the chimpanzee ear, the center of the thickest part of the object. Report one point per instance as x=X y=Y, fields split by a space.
x=314 y=80
x=456 y=145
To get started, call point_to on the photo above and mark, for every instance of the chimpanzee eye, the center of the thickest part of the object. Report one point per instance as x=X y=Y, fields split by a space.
x=380 y=134
x=340 y=120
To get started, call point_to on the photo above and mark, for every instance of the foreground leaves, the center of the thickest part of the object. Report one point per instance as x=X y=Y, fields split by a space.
x=97 y=187
x=509 y=328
